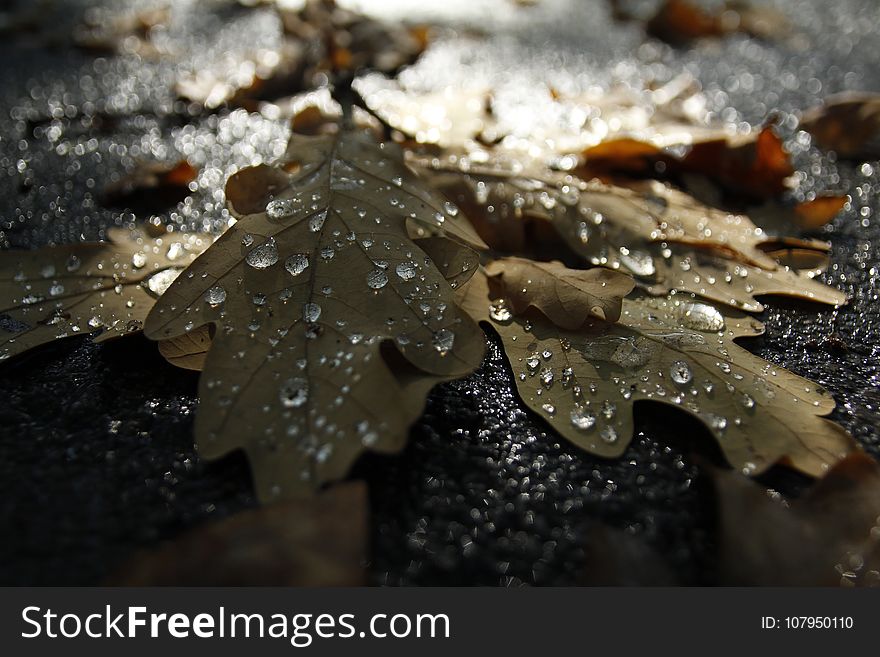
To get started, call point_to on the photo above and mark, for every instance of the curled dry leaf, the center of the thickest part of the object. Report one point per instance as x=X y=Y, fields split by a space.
x=62 y=291
x=677 y=351
x=753 y=166
x=663 y=237
x=848 y=124
x=568 y=297
x=322 y=269
x=321 y=542
x=829 y=537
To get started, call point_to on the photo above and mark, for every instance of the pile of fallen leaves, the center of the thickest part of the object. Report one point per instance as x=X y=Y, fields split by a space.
x=619 y=259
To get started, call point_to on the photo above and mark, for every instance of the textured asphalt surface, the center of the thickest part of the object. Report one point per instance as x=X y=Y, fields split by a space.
x=96 y=454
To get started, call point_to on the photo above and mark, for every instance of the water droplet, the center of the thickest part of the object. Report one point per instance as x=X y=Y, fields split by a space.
x=701 y=317
x=247 y=239
x=582 y=420
x=748 y=401
x=609 y=409
x=406 y=270
x=550 y=409
x=297 y=264
x=377 y=279
x=316 y=222
x=281 y=208
x=215 y=295
x=680 y=372
x=532 y=362
x=450 y=208
x=73 y=263
x=443 y=341
x=138 y=260
x=162 y=280
x=499 y=311
x=263 y=256
x=294 y=393
x=608 y=434
x=311 y=312
x=56 y=289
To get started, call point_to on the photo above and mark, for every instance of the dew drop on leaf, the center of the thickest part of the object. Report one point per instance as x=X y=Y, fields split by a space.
x=701 y=317
x=280 y=208
x=297 y=264
x=608 y=434
x=499 y=311
x=680 y=372
x=215 y=295
x=582 y=420
x=377 y=279
x=311 y=312
x=316 y=223
x=263 y=256
x=443 y=341
x=406 y=270
x=294 y=393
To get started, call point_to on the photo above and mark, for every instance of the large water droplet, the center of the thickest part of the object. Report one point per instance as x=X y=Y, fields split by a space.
x=294 y=393
x=443 y=341
x=263 y=256
x=701 y=317
x=297 y=264
x=215 y=295
x=582 y=420
x=311 y=312
x=499 y=311
x=609 y=434
x=406 y=270
x=281 y=208
x=316 y=223
x=680 y=372
x=377 y=279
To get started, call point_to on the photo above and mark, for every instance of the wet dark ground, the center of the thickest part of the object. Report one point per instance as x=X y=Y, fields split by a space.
x=96 y=454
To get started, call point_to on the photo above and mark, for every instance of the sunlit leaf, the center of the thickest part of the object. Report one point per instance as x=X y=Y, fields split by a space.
x=663 y=237
x=62 y=291
x=322 y=269
x=677 y=351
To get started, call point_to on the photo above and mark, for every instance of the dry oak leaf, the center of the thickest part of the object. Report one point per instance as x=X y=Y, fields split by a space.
x=848 y=124
x=828 y=537
x=677 y=351
x=754 y=165
x=76 y=289
x=316 y=542
x=321 y=269
x=663 y=237
x=568 y=297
